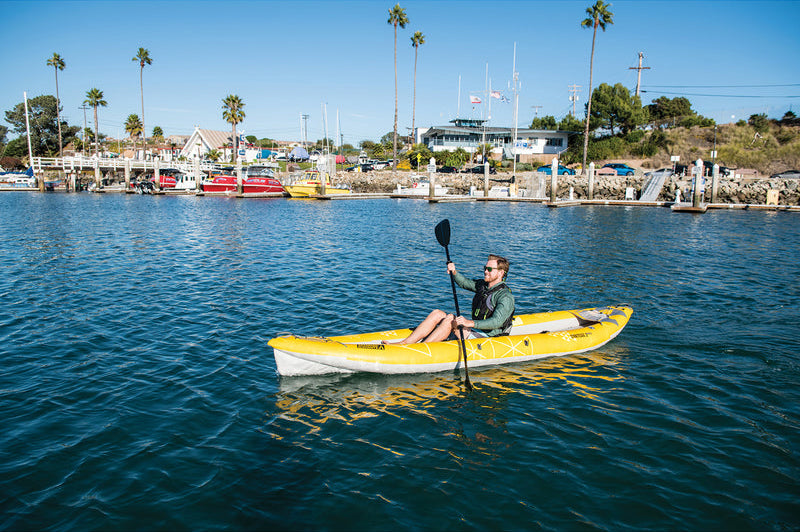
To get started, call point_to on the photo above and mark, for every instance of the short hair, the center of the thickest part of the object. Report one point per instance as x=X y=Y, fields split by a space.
x=502 y=263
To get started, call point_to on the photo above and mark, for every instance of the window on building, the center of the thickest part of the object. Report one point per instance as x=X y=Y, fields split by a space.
x=555 y=142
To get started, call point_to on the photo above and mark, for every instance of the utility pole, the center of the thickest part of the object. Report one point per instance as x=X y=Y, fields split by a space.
x=536 y=110
x=639 y=73
x=573 y=97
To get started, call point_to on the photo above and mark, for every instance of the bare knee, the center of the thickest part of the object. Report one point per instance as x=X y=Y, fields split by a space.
x=438 y=315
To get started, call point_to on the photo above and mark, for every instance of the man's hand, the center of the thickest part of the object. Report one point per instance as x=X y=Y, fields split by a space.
x=451 y=268
x=463 y=322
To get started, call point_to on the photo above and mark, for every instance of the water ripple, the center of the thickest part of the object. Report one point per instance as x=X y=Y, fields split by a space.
x=137 y=390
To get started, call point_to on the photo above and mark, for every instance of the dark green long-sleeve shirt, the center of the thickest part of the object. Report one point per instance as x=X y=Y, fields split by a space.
x=503 y=301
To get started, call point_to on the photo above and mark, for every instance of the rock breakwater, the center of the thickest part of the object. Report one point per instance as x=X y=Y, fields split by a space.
x=731 y=190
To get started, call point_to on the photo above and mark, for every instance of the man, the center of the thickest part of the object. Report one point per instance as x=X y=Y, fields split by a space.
x=492 y=307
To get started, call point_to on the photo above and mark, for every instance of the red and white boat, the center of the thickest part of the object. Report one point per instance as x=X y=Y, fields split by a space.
x=259 y=179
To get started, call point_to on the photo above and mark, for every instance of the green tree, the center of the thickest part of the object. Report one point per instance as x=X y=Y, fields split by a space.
x=133 y=127
x=615 y=107
x=94 y=98
x=545 y=122
x=664 y=110
x=17 y=148
x=3 y=133
x=570 y=123
x=233 y=113
x=599 y=17
x=416 y=40
x=397 y=17
x=143 y=58
x=760 y=122
x=43 y=117
x=252 y=139
x=213 y=155
x=422 y=151
x=158 y=132
x=58 y=64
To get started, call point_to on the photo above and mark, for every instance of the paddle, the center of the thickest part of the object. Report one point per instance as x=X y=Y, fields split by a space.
x=443 y=236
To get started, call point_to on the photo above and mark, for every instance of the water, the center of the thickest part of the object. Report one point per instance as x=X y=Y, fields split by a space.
x=137 y=390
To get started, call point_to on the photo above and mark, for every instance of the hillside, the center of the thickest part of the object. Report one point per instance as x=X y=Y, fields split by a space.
x=775 y=149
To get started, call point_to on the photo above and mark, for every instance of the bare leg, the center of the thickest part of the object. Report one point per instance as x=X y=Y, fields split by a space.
x=436 y=320
x=441 y=332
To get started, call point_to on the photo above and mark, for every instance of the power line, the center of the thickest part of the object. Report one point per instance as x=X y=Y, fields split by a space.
x=722 y=86
x=724 y=95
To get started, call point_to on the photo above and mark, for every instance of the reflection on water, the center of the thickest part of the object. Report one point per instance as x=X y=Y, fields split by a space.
x=316 y=400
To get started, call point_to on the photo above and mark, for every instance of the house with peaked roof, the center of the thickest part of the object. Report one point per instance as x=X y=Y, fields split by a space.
x=202 y=141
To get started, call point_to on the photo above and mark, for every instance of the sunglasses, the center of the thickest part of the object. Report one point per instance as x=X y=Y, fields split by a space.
x=490 y=268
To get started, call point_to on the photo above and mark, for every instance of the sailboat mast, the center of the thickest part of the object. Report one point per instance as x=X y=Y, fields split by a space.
x=515 y=77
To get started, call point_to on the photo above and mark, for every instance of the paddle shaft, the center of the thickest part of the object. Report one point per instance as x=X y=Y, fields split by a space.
x=460 y=327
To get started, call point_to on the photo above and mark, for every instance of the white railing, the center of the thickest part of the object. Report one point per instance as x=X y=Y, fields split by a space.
x=71 y=164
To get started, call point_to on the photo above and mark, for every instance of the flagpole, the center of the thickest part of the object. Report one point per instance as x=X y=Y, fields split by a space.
x=458 y=112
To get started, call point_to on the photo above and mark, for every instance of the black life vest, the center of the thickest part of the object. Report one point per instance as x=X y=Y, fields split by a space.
x=482 y=306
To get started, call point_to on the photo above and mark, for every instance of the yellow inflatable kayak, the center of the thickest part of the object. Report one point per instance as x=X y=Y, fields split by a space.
x=532 y=336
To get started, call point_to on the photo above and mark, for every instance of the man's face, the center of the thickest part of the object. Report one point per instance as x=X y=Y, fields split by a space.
x=491 y=272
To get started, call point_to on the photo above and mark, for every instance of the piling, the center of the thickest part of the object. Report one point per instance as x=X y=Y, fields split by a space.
x=591 y=181
x=715 y=184
x=431 y=176
x=127 y=174
x=697 y=196
x=553 y=180
x=157 y=173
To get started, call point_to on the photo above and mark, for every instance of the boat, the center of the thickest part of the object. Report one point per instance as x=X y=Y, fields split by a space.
x=421 y=188
x=311 y=183
x=258 y=180
x=532 y=336
x=24 y=179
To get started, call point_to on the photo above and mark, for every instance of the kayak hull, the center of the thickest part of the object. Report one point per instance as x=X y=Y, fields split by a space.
x=533 y=336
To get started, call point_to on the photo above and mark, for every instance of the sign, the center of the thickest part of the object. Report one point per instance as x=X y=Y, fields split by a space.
x=713 y=154
x=431 y=168
x=675 y=158
x=241 y=152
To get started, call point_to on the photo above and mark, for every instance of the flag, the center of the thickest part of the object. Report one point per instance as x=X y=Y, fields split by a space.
x=474 y=99
x=496 y=94
x=504 y=99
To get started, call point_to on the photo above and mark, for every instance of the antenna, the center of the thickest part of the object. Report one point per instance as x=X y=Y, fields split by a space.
x=573 y=97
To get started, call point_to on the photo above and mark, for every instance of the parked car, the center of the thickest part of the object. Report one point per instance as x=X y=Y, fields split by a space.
x=479 y=170
x=365 y=167
x=621 y=168
x=379 y=165
x=665 y=172
x=787 y=174
x=448 y=170
x=562 y=170
x=709 y=168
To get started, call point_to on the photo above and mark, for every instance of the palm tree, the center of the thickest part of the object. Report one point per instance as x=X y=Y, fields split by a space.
x=397 y=17
x=233 y=114
x=143 y=58
x=58 y=64
x=94 y=98
x=417 y=39
x=599 y=16
x=133 y=127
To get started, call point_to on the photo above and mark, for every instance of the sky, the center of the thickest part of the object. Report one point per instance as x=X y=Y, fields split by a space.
x=334 y=60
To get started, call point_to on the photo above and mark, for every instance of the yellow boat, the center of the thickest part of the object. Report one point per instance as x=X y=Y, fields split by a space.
x=532 y=336
x=311 y=184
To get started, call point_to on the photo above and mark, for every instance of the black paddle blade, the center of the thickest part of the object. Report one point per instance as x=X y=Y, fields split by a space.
x=443 y=232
